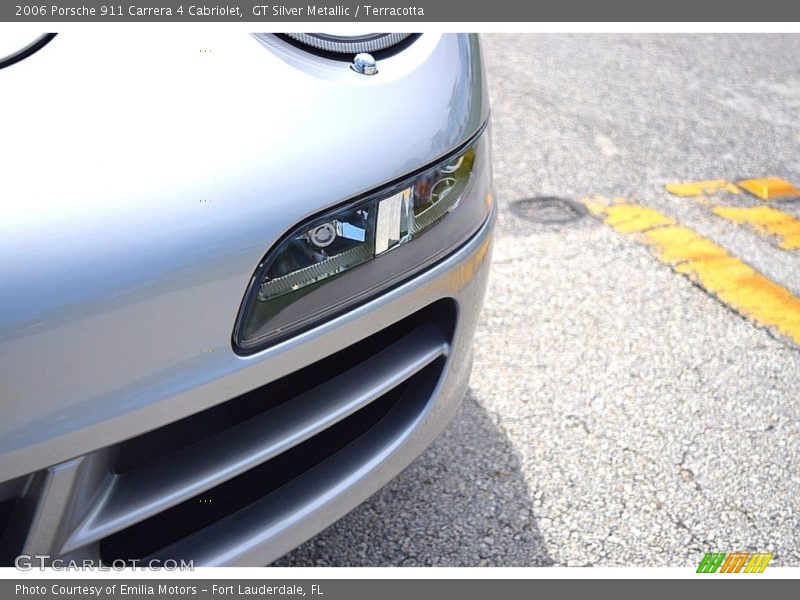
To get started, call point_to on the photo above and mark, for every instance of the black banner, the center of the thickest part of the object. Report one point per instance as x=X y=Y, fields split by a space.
x=412 y=11
x=387 y=589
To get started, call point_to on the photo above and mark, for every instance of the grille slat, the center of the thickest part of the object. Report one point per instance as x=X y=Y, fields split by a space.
x=237 y=538
x=129 y=498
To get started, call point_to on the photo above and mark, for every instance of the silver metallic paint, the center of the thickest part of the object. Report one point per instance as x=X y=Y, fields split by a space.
x=142 y=182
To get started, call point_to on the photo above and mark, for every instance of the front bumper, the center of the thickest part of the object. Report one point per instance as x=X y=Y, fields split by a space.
x=119 y=378
x=82 y=508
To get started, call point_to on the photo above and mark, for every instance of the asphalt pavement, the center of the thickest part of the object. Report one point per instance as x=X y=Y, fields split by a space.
x=619 y=412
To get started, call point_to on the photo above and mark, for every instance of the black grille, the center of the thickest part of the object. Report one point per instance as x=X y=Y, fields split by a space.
x=191 y=516
x=6 y=509
x=151 y=446
x=180 y=521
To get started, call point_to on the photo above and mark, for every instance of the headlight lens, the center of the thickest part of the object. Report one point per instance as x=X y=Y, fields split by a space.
x=335 y=244
x=307 y=275
x=371 y=42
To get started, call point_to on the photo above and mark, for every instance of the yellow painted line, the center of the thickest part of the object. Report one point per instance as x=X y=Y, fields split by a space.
x=701 y=188
x=770 y=188
x=762 y=219
x=627 y=218
x=767 y=220
x=676 y=245
x=730 y=279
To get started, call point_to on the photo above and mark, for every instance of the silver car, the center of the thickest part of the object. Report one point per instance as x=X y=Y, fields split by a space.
x=239 y=282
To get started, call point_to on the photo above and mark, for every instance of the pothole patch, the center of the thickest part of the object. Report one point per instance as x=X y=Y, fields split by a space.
x=548 y=210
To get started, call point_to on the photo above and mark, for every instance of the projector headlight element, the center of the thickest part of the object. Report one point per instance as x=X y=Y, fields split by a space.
x=379 y=239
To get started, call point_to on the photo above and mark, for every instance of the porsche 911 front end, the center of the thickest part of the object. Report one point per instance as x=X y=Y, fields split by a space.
x=240 y=280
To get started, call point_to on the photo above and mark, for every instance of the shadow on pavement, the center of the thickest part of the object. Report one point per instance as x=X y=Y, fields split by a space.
x=456 y=505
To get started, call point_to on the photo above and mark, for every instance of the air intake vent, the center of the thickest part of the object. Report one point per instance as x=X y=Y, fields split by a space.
x=199 y=512
x=248 y=463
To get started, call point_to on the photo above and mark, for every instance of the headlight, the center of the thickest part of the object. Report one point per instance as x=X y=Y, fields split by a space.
x=346 y=255
x=350 y=45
